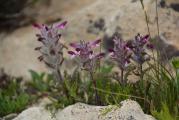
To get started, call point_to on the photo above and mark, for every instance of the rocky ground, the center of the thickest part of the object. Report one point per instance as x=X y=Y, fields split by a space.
x=89 y=19
x=128 y=110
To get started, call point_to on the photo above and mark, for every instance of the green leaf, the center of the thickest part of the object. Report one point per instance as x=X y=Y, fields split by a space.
x=13 y=104
x=39 y=82
x=34 y=75
x=175 y=63
x=164 y=114
x=106 y=69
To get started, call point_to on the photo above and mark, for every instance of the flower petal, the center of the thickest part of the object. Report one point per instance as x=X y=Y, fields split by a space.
x=40 y=58
x=77 y=49
x=75 y=45
x=36 y=25
x=37 y=48
x=71 y=53
x=146 y=37
x=95 y=43
x=129 y=44
x=150 y=46
x=111 y=50
x=62 y=25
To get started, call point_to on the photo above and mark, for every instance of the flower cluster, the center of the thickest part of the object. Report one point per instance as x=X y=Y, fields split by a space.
x=85 y=54
x=51 y=49
x=121 y=53
x=139 y=47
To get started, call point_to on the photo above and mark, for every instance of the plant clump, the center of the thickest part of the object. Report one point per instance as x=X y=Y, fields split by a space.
x=51 y=49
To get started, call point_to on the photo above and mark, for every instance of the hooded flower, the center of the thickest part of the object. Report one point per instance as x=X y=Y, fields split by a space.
x=121 y=53
x=85 y=54
x=139 y=47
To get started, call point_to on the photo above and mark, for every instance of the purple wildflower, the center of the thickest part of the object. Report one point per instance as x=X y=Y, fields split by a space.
x=139 y=47
x=87 y=58
x=121 y=53
x=51 y=49
x=85 y=54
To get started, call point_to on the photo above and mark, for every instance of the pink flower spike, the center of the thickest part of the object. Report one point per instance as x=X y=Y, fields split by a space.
x=62 y=25
x=95 y=43
x=36 y=25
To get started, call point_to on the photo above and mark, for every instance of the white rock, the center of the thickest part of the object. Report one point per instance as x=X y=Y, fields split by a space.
x=17 y=54
x=129 y=110
x=35 y=113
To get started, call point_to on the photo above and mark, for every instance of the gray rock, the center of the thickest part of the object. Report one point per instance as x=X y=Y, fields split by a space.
x=128 y=110
x=17 y=53
x=35 y=113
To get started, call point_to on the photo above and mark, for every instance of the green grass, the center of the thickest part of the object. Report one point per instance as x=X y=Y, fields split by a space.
x=157 y=87
x=13 y=99
x=164 y=114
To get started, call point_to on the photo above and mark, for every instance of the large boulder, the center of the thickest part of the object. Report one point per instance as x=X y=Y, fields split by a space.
x=17 y=54
x=88 y=19
x=128 y=110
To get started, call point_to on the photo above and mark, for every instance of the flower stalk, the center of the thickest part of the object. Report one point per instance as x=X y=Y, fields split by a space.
x=139 y=48
x=121 y=54
x=87 y=59
x=52 y=48
x=95 y=86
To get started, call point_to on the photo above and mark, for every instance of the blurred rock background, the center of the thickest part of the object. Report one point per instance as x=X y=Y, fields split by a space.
x=87 y=19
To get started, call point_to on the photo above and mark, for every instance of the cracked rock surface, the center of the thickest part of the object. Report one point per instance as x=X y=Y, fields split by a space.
x=127 y=110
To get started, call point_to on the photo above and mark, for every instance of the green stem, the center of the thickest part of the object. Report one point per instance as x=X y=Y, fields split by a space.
x=142 y=81
x=59 y=75
x=158 y=53
x=95 y=86
x=157 y=17
x=141 y=72
x=125 y=95
x=122 y=77
x=146 y=17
